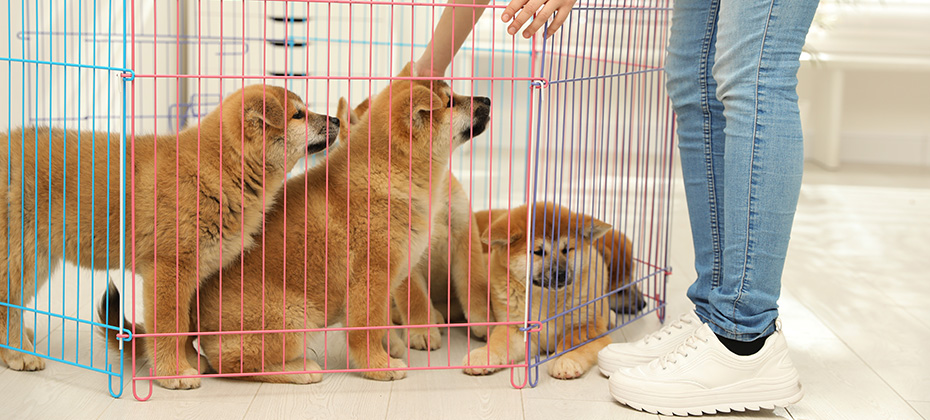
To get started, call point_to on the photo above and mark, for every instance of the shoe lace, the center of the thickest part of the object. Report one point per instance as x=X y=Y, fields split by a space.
x=668 y=329
x=691 y=343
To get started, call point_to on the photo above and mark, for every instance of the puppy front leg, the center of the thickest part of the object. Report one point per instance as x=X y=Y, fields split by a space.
x=575 y=363
x=412 y=299
x=470 y=273
x=170 y=313
x=19 y=293
x=367 y=307
x=505 y=345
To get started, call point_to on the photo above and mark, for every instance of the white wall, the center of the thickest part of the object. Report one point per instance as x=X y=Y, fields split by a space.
x=883 y=52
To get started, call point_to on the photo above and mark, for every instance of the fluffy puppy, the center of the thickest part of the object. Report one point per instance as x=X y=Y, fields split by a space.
x=339 y=244
x=566 y=272
x=214 y=182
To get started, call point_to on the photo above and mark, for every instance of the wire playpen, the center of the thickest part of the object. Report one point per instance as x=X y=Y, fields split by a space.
x=93 y=88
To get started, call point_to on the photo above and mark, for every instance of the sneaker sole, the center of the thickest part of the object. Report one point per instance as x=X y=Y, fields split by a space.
x=751 y=405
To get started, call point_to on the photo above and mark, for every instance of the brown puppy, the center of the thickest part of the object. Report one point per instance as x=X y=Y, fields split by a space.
x=616 y=249
x=258 y=133
x=467 y=272
x=567 y=272
x=339 y=245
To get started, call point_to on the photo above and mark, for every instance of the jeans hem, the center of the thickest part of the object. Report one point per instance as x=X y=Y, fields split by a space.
x=729 y=331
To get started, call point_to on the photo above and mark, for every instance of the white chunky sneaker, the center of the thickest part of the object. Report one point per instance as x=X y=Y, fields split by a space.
x=648 y=348
x=702 y=376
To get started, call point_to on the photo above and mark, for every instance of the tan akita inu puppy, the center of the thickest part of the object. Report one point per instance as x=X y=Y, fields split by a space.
x=195 y=211
x=568 y=271
x=340 y=243
x=466 y=271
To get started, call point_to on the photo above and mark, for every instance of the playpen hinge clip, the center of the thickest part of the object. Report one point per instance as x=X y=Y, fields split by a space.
x=128 y=75
x=532 y=327
x=540 y=83
x=123 y=337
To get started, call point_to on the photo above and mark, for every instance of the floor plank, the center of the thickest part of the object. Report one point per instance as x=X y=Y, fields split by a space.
x=544 y=409
x=922 y=407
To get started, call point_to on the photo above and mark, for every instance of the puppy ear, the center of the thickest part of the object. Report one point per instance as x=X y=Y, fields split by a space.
x=501 y=234
x=617 y=249
x=343 y=117
x=424 y=100
x=265 y=107
x=360 y=110
x=594 y=228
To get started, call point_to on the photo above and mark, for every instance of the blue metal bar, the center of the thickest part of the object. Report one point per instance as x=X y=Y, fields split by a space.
x=77 y=343
x=9 y=147
x=549 y=357
x=123 y=192
x=109 y=174
x=58 y=63
x=93 y=161
x=606 y=76
x=66 y=317
x=64 y=189
x=45 y=356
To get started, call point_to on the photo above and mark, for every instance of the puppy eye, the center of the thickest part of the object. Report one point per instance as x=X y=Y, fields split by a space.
x=566 y=250
x=451 y=101
x=538 y=252
x=299 y=115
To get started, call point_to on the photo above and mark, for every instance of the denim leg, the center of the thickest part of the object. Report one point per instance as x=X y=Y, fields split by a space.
x=700 y=124
x=758 y=46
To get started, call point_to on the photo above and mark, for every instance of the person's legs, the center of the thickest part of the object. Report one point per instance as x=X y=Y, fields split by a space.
x=700 y=120
x=700 y=123
x=758 y=46
x=755 y=65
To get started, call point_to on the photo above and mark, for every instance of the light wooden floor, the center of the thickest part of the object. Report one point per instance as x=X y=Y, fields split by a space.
x=854 y=309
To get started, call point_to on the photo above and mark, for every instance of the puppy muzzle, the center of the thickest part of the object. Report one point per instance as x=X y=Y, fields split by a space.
x=329 y=131
x=480 y=117
x=553 y=279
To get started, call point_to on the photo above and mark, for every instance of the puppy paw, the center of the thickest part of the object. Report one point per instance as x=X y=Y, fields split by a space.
x=308 y=378
x=566 y=368
x=302 y=378
x=180 y=383
x=398 y=346
x=22 y=361
x=480 y=332
x=388 y=375
x=425 y=338
x=478 y=362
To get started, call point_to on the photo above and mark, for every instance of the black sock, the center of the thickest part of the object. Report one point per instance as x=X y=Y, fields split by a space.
x=742 y=348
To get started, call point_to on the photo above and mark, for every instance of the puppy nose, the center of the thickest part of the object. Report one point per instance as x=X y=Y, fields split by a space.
x=334 y=121
x=483 y=100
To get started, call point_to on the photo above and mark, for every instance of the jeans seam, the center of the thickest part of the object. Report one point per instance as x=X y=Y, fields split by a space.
x=752 y=158
x=708 y=150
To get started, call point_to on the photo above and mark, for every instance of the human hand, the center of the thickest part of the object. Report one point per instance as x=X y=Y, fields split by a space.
x=527 y=8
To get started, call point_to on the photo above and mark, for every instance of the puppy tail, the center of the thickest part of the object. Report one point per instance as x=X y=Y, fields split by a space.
x=109 y=313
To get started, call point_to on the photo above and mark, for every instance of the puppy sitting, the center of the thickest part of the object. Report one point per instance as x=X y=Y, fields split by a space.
x=568 y=272
x=195 y=215
x=352 y=225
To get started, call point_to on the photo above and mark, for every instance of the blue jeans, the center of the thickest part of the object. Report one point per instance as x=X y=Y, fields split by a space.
x=732 y=76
